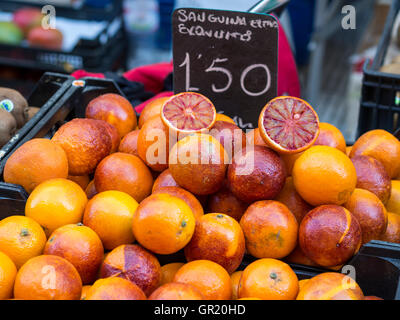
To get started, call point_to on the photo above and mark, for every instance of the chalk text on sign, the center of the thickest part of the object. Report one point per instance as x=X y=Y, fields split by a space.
x=218 y=34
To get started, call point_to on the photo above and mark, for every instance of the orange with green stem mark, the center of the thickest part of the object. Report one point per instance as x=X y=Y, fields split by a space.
x=81 y=246
x=268 y=279
x=163 y=223
x=186 y=196
x=55 y=203
x=270 y=229
x=21 y=238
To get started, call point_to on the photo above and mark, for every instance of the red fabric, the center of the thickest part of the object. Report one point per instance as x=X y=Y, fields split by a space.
x=152 y=76
x=141 y=106
x=82 y=73
x=288 y=78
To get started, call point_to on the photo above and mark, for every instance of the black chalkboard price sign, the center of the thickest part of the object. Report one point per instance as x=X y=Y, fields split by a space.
x=230 y=57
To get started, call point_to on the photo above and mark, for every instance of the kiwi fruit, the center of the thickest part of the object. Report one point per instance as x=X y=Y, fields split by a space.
x=8 y=127
x=13 y=102
x=32 y=111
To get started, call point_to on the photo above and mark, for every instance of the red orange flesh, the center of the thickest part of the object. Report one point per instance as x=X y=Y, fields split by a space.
x=188 y=112
x=288 y=124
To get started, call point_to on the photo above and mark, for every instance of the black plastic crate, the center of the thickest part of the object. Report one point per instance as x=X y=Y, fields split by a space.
x=380 y=96
x=45 y=94
x=104 y=53
x=376 y=268
x=71 y=105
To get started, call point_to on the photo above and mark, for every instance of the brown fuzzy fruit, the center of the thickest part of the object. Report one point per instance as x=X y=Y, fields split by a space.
x=217 y=238
x=198 y=164
x=16 y=105
x=370 y=213
x=270 y=229
x=290 y=198
x=257 y=174
x=85 y=142
x=372 y=176
x=333 y=245
x=8 y=127
x=32 y=112
x=133 y=263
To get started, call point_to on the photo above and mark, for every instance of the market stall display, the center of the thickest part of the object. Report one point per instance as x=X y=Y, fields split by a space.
x=75 y=103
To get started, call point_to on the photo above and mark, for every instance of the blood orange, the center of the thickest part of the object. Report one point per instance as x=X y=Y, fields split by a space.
x=288 y=125
x=188 y=112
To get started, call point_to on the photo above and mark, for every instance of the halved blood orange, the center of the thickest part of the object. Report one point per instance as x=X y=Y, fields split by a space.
x=188 y=112
x=288 y=125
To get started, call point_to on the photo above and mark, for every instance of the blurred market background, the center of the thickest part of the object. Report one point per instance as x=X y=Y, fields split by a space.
x=116 y=35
